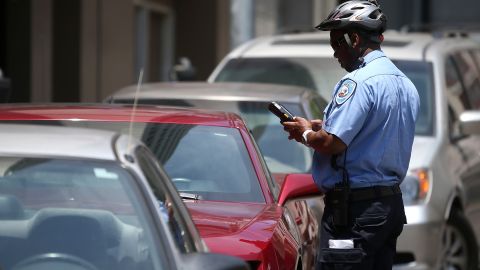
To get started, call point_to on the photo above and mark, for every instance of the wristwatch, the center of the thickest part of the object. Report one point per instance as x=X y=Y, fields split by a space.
x=304 y=136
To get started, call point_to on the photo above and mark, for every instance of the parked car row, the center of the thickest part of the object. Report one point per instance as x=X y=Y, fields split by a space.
x=72 y=198
x=214 y=163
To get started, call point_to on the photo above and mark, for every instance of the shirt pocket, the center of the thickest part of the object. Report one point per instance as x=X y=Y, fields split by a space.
x=371 y=221
x=372 y=229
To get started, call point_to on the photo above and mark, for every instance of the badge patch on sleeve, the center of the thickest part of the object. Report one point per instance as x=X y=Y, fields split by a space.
x=345 y=91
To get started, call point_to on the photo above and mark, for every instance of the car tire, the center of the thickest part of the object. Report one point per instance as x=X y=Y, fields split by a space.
x=459 y=248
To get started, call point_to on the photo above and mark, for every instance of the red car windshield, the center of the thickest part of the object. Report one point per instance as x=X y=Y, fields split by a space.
x=208 y=161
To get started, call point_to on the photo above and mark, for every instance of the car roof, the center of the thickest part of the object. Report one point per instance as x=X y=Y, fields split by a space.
x=55 y=141
x=118 y=113
x=227 y=91
x=401 y=45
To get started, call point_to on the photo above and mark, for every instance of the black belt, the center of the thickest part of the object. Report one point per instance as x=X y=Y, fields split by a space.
x=369 y=193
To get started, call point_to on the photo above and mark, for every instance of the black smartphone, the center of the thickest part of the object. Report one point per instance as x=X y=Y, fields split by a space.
x=280 y=111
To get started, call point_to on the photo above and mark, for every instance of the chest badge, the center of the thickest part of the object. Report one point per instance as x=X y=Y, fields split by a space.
x=345 y=91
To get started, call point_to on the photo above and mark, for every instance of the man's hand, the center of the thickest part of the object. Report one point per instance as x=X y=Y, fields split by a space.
x=297 y=127
x=316 y=124
x=320 y=140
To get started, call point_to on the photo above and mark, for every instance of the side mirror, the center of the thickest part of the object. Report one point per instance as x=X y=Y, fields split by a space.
x=297 y=186
x=183 y=71
x=213 y=261
x=470 y=123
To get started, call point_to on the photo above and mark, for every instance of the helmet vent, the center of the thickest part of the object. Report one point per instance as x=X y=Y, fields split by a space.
x=374 y=15
x=357 y=8
x=346 y=15
x=333 y=15
x=340 y=7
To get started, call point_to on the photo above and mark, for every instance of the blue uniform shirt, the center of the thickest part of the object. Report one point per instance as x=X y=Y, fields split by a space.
x=373 y=111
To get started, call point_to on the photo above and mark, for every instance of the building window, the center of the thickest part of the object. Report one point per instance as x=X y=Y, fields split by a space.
x=154 y=41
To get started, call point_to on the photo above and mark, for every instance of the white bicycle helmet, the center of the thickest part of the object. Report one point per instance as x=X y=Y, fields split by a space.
x=360 y=15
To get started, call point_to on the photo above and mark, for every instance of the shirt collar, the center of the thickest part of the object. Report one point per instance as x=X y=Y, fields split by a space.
x=372 y=56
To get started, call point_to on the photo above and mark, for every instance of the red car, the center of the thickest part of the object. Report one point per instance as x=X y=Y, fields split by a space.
x=239 y=208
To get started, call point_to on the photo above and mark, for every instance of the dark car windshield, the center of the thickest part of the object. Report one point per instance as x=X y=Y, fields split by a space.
x=72 y=209
x=322 y=74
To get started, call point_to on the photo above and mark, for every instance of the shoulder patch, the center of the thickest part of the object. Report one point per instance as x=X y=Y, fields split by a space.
x=345 y=91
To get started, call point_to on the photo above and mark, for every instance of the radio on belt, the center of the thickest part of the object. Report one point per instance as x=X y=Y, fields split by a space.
x=280 y=111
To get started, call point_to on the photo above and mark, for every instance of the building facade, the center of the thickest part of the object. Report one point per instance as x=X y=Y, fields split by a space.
x=83 y=50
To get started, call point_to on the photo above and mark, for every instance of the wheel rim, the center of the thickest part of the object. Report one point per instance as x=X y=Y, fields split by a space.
x=454 y=249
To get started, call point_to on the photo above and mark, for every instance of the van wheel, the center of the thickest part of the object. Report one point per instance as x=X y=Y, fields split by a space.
x=459 y=247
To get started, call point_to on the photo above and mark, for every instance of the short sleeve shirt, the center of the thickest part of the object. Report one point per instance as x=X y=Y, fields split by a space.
x=373 y=111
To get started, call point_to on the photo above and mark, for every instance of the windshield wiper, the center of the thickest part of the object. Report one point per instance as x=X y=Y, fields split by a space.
x=190 y=196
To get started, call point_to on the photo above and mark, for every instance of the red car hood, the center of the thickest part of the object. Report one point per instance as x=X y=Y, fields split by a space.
x=238 y=229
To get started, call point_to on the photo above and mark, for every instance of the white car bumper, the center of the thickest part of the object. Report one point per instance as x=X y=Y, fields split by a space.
x=418 y=247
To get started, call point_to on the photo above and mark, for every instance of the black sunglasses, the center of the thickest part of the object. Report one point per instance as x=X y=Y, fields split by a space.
x=338 y=42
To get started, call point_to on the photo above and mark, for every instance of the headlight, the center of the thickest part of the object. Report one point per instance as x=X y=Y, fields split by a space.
x=415 y=186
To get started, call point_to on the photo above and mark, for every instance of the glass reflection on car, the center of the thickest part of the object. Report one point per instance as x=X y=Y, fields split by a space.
x=72 y=213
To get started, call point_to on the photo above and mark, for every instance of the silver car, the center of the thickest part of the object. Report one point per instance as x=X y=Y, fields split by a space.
x=83 y=199
x=441 y=191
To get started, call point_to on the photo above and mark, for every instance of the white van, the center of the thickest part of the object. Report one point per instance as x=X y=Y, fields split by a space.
x=442 y=189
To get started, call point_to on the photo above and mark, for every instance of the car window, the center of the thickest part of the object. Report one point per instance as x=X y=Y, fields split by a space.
x=320 y=74
x=469 y=77
x=85 y=209
x=280 y=70
x=281 y=154
x=456 y=94
x=208 y=161
x=476 y=57
x=421 y=75
x=168 y=207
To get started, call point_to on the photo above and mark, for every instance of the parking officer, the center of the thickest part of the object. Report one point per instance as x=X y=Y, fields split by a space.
x=363 y=145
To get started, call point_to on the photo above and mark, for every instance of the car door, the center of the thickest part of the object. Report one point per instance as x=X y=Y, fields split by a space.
x=297 y=217
x=463 y=93
x=172 y=208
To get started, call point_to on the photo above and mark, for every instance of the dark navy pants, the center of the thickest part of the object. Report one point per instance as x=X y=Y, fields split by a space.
x=374 y=226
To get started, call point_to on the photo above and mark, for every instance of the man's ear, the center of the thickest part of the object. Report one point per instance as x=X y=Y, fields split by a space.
x=356 y=39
